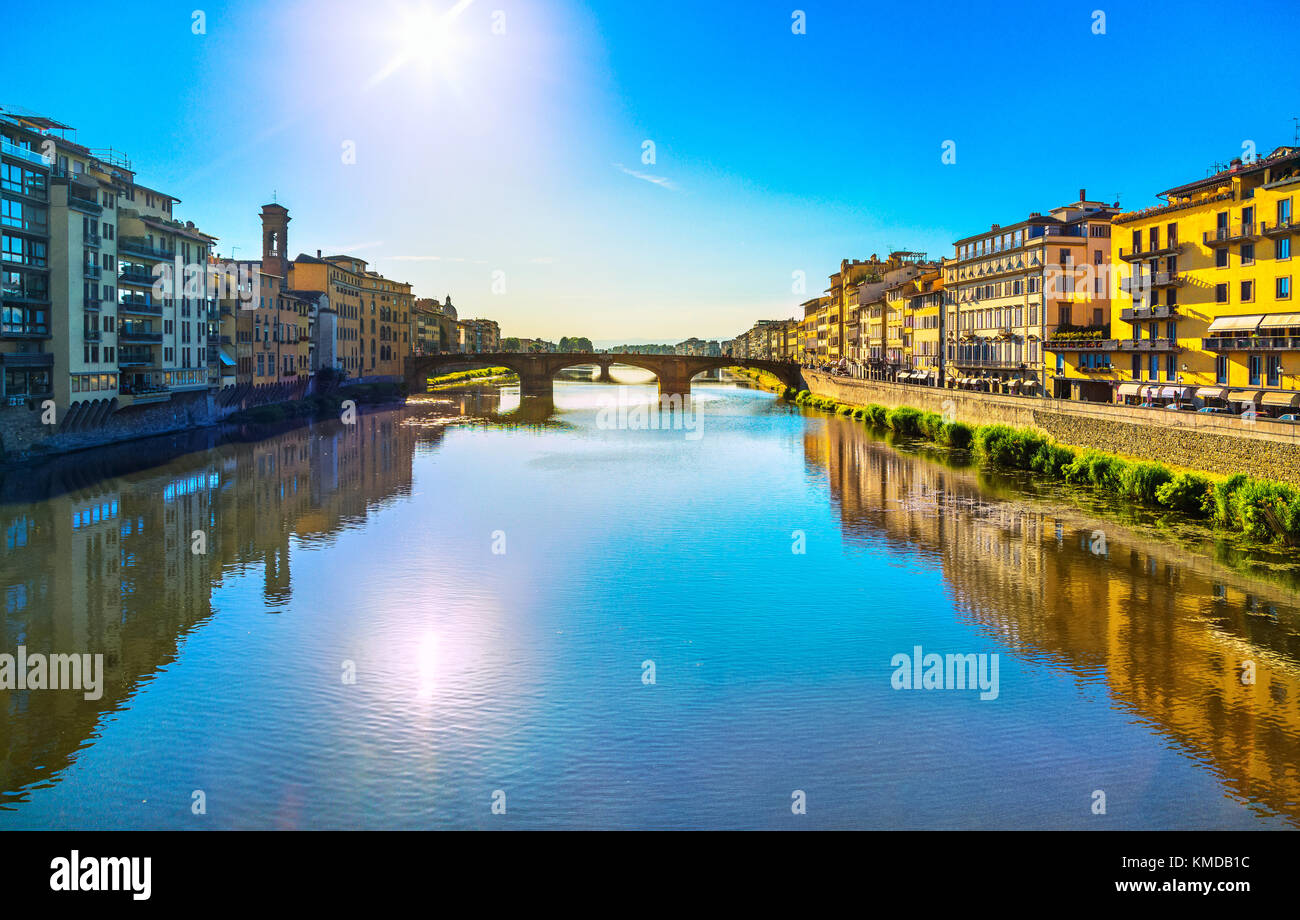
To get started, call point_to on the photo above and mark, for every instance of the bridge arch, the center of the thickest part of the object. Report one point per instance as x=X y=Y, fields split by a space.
x=537 y=370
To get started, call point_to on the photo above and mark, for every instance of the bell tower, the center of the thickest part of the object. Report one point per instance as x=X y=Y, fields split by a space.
x=275 y=240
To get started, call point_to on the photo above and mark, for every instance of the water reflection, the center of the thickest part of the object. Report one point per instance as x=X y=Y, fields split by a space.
x=479 y=668
x=1168 y=633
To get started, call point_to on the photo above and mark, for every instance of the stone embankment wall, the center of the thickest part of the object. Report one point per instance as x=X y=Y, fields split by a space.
x=1214 y=444
x=25 y=432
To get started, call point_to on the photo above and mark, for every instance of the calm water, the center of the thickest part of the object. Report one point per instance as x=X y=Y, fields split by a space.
x=501 y=588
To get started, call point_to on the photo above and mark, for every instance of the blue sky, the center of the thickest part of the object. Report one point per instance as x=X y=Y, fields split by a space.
x=519 y=150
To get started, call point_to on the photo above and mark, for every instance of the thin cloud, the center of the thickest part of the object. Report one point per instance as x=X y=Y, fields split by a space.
x=648 y=177
x=356 y=247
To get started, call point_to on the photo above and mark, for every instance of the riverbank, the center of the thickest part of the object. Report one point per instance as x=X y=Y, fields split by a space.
x=1259 y=509
x=489 y=375
x=1222 y=445
x=27 y=436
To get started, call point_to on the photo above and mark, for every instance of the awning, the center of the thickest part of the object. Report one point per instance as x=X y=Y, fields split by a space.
x=227 y=360
x=1150 y=392
x=1130 y=389
x=1211 y=392
x=1249 y=396
x=1174 y=392
x=1282 y=399
x=1280 y=320
x=1236 y=323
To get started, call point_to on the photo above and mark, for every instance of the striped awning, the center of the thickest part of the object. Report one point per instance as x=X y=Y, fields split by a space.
x=1150 y=392
x=1249 y=396
x=1130 y=389
x=1282 y=399
x=1236 y=323
x=1211 y=392
x=1280 y=320
x=1174 y=392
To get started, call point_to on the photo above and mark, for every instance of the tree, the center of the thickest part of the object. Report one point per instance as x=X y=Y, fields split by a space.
x=510 y=344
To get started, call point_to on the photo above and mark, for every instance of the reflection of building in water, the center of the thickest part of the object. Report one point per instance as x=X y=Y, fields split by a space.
x=111 y=569
x=1167 y=631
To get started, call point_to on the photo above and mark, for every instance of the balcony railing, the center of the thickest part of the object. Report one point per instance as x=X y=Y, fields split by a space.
x=91 y=272
x=128 y=305
x=1169 y=248
x=134 y=276
x=1277 y=227
x=1148 y=345
x=22 y=153
x=126 y=333
x=1157 y=311
x=90 y=335
x=139 y=245
x=1220 y=236
x=1168 y=279
x=129 y=357
x=1251 y=343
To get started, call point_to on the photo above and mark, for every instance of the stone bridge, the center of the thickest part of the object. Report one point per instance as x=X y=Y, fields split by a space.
x=537 y=370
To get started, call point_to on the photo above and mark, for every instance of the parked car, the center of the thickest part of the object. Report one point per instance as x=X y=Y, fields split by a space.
x=1289 y=417
x=1216 y=410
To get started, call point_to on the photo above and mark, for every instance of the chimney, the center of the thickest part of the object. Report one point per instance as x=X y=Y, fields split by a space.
x=1236 y=163
x=318 y=253
x=1083 y=194
x=997 y=226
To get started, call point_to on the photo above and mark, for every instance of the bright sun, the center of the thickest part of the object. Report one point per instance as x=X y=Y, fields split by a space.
x=425 y=38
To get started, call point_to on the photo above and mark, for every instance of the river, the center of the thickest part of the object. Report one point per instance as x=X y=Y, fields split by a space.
x=451 y=615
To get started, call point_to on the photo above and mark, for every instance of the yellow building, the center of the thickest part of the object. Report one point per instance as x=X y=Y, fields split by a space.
x=1015 y=287
x=339 y=278
x=1205 y=313
x=924 y=326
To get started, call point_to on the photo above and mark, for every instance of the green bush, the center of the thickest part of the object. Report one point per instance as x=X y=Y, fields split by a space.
x=1141 y=481
x=878 y=415
x=956 y=434
x=1007 y=447
x=1188 y=493
x=930 y=425
x=1051 y=460
x=1267 y=511
x=1222 y=507
x=859 y=413
x=844 y=410
x=904 y=420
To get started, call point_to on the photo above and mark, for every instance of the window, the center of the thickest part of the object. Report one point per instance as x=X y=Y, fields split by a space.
x=1247 y=253
x=1256 y=369
x=1137 y=367
x=1282 y=248
x=1155 y=367
x=1221 y=369
x=1171 y=367
x=1247 y=291
x=1275 y=370
x=1283 y=290
x=1220 y=293
x=1221 y=258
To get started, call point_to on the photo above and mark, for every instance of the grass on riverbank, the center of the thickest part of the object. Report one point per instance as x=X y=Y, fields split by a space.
x=459 y=377
x=764 y=379
x=1262 y=510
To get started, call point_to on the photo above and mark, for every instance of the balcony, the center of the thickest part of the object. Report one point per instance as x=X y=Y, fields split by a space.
x=988 y=363
x=91 y=304
x=140 y=246
x=1172 y=247
x=92 y=240
x=1222 y=236
x=135 y=276
x=90 y=335
x=30 y=157
x=1277 y=227
x=1157 y=311
x=1168 y=279
x=129 y=333
x=142 y=307
x=1151 y=345
x=83 y=204
x=1251 y=343
x=91 y=272
x=1095 y=338
x=135 y=357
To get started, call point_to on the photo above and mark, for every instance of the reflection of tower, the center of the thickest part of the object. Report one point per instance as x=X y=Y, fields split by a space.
x=275 y=240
